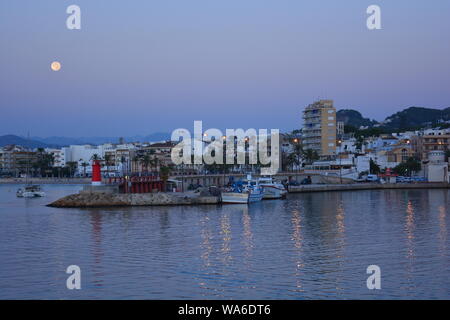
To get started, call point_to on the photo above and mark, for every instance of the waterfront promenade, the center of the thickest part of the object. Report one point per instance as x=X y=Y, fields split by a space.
x=205 y=180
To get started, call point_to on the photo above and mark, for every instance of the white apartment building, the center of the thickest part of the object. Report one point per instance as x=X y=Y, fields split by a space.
x=59 y=156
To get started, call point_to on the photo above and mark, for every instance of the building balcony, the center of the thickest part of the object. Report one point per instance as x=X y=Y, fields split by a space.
x=311 y=115
x=315 y=127
x=308 y=142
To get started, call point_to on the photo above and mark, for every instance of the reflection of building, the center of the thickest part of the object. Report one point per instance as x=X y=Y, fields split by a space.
x=319 y=131
x=436 y=170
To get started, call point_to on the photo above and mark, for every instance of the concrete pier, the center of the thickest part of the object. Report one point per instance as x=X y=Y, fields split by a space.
x=366 y=186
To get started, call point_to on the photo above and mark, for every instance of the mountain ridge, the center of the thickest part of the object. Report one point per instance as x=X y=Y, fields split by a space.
x=409 y=118
x=57 y=141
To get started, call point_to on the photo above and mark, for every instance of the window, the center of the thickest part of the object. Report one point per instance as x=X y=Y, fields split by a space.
x=404 y=154
x=331 y=124
x=330 y=111
x=331 y=144
x=330 y=118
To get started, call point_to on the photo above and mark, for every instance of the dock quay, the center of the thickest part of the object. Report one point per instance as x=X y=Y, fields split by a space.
x=366 y=186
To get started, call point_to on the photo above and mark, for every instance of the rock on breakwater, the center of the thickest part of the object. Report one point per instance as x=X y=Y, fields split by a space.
x=97 y=199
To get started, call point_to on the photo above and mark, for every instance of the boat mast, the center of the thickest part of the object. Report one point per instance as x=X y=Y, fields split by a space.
x=28 y=158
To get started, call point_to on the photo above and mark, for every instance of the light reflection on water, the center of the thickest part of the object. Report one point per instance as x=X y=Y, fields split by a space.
x=314 y=245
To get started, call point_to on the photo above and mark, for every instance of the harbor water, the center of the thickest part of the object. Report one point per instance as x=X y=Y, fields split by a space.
x=309 y=246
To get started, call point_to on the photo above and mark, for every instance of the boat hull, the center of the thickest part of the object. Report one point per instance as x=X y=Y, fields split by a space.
x=255 y=197
x=235 y=197
x=33 y=194
x=272 y=192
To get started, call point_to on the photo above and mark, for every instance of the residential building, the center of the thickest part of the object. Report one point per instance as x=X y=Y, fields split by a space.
x=59 y=157
x=17 y=160
x=432 y=142
x=319 y=131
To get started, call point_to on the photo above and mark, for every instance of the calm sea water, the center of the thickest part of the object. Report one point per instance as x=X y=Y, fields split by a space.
x=308 y=246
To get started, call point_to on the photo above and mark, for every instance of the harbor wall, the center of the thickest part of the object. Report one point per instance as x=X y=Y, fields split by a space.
x=366 y=186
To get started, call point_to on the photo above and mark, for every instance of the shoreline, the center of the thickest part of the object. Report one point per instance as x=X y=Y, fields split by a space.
x=104 y=198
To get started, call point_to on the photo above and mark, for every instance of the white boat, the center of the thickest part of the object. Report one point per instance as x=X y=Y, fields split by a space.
x=247 y=193
x=272 y=189
x=31 y=191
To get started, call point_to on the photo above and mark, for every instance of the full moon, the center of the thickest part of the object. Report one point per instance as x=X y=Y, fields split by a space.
x=55 y=66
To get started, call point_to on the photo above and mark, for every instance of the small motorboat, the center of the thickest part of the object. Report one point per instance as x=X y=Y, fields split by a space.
x=31 y=191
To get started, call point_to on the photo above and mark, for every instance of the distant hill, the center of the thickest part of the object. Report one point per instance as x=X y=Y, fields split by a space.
x=12 y=139
x=354 y=118
x=157 y=136
x=416 y=117
x=409 y=118
x=63 y=141
x=67 y=141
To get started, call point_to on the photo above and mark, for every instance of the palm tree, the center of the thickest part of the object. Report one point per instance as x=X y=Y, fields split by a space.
x=84 y=165
x=122 y=161
x=310 y=156
x=96 y=157
x=72 y=165
x=297 y=152
x=146 y=161
x=136 y=160
x=108 y=159
x=164 y=172
x=155 y=163
x=154 y=158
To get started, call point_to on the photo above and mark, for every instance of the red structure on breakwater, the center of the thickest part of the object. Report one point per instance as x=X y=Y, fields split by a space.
x=144 y=184
x=96 y=173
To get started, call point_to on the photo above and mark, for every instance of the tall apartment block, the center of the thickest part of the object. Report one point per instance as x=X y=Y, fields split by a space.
x=319 y=131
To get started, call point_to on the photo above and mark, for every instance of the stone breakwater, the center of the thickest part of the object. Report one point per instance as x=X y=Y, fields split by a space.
x=98 y=199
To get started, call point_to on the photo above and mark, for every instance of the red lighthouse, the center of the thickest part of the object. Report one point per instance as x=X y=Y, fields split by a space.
x=96 y=173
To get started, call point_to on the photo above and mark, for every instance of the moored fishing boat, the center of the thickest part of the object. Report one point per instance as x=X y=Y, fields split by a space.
x=235 y=197
x=244 y=193
x=272 y=189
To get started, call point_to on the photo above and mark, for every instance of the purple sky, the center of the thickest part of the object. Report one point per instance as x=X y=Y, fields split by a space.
x=138 y=67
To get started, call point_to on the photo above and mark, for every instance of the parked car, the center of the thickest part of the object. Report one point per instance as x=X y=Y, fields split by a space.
x=372 y=178
x=194 y=186
x=307 y=180
x=401 y=179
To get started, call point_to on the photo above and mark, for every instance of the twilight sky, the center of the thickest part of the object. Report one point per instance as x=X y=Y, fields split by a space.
x=143 y=66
